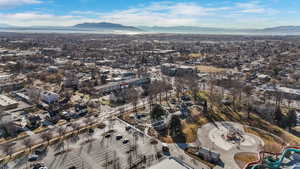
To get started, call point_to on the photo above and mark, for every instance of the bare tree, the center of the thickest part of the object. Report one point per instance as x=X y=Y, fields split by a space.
x=47 y=136
x=61 y=132
x=133 y=97
x=34 y=95
x=75 y=126
x=154 y=90
x=8 y=149
x=179 y=85
x=88 y=121
x=248 y=91
x=166 y=86
x=28 y=143
x=193 y=85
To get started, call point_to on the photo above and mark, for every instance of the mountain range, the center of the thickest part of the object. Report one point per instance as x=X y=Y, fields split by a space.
x=106 y=26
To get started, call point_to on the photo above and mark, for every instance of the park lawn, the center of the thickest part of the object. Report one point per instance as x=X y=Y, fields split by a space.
x=190 y=131
x=211 y=69
x=196 y=55
x=105 y=102
x=287 y=137
x=244 y=157
x=271 y=144
x=167 y=139
x=203 y=94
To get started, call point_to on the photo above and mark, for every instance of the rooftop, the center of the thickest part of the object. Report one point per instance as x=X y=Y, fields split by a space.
x=6 y=101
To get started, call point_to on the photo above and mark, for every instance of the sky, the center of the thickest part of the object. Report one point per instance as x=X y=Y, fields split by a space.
x=204 y=13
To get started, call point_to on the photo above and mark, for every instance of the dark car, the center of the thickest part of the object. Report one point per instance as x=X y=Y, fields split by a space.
x=185 y=98
x=125 y=141
x=38 y=166
x=173 y=101
x=33 y=158
x=107 y=136
x=46 y=123
x=127 y=128
x=119 y=137
x=91 y=131
x=40 y=151
x=82 y=112
x=75 y=116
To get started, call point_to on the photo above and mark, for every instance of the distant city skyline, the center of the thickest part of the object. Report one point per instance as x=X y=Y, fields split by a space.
x=204 y=13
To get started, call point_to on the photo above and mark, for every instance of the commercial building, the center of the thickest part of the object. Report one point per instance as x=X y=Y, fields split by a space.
x=284 y=91
x=49 y=97
x=7 y=103
x=177 y=70
x=122 y=84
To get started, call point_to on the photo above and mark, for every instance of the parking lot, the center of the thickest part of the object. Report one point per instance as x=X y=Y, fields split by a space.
x=115 y=146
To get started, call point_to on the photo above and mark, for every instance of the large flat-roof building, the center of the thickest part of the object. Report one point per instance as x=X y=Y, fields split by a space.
x=122 y=84
x=49 y=97
x=7 y=103
x=177 y=70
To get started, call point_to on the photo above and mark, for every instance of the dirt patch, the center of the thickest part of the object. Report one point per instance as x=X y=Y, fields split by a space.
x=243 y=158
x=190 y=131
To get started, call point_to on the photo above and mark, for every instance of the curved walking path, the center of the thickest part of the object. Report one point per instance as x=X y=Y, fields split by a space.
x=210 y=136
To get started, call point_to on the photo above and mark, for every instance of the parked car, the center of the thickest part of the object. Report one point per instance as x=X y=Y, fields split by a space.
x=127 y=128
x=119 y=137
x=33 y=157
x=91 y=131
x=39 y=166
x=107 y=136
x=125 y=141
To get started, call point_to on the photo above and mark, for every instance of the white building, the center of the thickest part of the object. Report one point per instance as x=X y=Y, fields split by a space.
x=7 y=103
x=4 y=77
x=49 y=97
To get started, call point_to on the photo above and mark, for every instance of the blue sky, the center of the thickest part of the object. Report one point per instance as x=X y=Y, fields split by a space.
x=208 y=13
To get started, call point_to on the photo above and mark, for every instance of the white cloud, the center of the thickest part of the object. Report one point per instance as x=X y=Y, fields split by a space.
x=15 y=3
x=163 y=13
x=39 y=19
x=254 y=7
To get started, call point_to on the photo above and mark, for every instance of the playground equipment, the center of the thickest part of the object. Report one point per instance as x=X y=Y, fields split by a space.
x=272 y=160
x=234 y=136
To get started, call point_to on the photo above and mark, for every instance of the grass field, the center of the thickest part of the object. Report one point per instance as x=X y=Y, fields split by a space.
x=211 y=69
x=243 y=158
